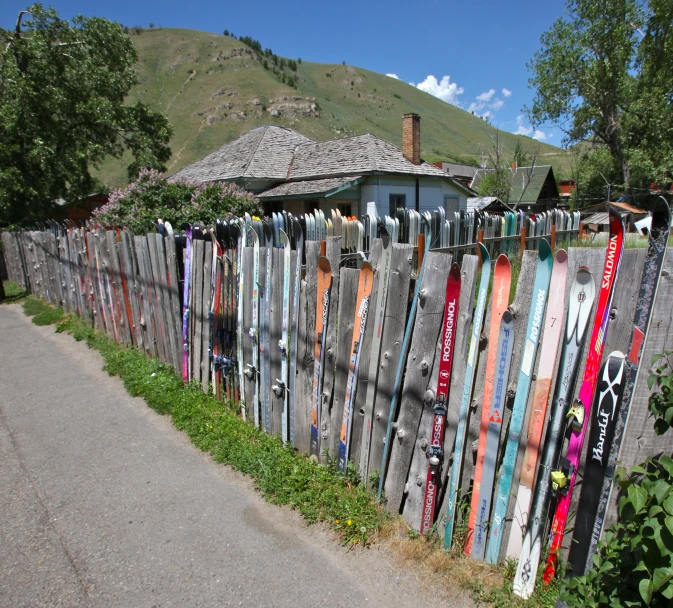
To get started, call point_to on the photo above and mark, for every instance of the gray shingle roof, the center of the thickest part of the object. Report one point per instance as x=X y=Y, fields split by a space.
x=264 y=153
x=352 y=155
x=314 y=186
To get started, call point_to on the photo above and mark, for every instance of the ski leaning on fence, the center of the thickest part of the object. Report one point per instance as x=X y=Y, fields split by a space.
x=383 y=273
x=361 y=310
x=545 y=373
x=401 y=364
x=294 y=330
x=581 y=300
x=252 y=372
x=435 y=451
x=185 y=305
x=538 y=304
x=322 y=309
x=457 y=465
x=241 y=244
x=265 y=331
x=280 y=387
x=505 y=346
x=502 y=282
x=608 y=423
x=579 y=415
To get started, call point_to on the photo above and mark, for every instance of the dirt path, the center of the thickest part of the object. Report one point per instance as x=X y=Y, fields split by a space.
x=104 y=503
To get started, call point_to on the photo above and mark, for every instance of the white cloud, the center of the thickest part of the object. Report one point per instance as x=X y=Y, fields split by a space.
x=522 y=129
x=444 y=89
x=506 y=92
x=486 y=96
x=497 y=104
x=475 y=106
x=395 y=76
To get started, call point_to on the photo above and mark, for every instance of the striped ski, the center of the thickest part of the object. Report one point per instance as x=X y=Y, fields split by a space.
x=545 y=373
x=294 y=329
x=322 y=310
x=613 y=258
x=502 y=281
x=185 y=305
x=383 y=272
x=535 y=317
x=505 y=346
x=457 y=464
x=361 y=309
x=606 y=439
x=581 y=300
x=435 y=451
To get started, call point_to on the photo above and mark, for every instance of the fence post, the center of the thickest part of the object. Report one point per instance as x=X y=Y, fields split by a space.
x=522 y=241
x=480 y=239
x=553 y=238
x=580 y=236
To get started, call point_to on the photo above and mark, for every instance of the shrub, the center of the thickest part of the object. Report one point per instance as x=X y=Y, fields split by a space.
x=634 y=564
x=152 y=197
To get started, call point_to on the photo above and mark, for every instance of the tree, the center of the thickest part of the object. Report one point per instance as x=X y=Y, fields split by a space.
x=62 y=111
x=605 y=75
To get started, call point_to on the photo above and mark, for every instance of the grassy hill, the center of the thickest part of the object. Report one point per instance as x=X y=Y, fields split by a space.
x=214 y=88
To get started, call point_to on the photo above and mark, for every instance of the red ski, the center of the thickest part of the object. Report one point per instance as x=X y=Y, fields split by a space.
x=435 y=451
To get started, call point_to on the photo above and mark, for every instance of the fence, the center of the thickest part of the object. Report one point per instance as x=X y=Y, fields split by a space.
x=132 y=288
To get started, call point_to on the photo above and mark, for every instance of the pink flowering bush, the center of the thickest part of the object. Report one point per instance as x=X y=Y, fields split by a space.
x=152 y=197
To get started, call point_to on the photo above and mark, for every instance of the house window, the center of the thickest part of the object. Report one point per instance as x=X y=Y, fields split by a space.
x=345 y=209
x=451 y=202
x=397 y=201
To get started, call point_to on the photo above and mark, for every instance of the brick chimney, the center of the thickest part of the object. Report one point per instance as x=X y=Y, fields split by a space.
x=411 y=138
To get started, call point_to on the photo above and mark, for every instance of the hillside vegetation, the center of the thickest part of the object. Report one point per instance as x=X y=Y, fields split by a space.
x=214 y=88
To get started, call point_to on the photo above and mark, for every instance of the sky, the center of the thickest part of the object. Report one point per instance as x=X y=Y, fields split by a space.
x=472 y=54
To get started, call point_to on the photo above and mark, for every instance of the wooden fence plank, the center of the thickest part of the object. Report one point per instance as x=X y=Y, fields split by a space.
x=173 y=285
x=391 y=346
x=419 y=365
x=145 y=287
x=248 y=344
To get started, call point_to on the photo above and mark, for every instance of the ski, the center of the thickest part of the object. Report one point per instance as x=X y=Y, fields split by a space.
x=538 y=304
x=280 y=388
x=545 y=373
x=185 y=304
x=321 y=316
x=581 y=300
x=505 y=346
x=241 y=244
x=294 y=329
x=361 y=310
x=252 y=372
x=214 y=314
x=399 y=372
x=470 y=369
x=435 y=452
x=502 y=281
x=383 y=271
x=599 y=471
x=579 y=413
x=265 y=332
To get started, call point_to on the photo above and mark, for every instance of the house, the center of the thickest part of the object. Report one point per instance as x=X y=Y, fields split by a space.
x=596 y=216
x=288 y=171
x=490 y=204
x=462 y=173
x=531 y=188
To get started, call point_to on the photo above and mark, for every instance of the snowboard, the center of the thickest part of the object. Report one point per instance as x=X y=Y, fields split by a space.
x=321 y=316
x=470 y=369
x=399 y=372
x=581 y=300
x=505 y=346
x=593 y=505
x=361 y=310
x=435 y=451
x=538 y=304
x=545 y=373
x=613 y=258
x=502 y=280
x=383 y=272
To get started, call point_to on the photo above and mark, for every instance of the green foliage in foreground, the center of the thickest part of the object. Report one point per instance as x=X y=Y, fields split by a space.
x=634 y=564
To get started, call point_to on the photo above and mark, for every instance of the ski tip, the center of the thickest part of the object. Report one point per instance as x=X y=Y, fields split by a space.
x=284 y=238
x=454 y=273
x=485 y=256
x=544 y=252
x=366 y=266
x=661 y=214
x=324 y=265
x=503 y=261
x=507 y=317
x=561 y=256
x=616 y=222
x=584 y=276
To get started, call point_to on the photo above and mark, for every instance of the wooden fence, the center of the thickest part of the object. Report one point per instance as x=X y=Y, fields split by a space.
x=131 y=288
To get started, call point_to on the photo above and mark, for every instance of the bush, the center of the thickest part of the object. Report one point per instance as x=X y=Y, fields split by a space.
x=634 y=564
x=152 y=197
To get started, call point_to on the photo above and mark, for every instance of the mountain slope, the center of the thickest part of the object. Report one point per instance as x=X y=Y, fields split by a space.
x=214 y=88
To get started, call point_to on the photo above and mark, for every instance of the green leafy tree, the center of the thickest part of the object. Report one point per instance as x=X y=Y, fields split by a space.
x=62 y=111
x=605 y=74
x=152 y=197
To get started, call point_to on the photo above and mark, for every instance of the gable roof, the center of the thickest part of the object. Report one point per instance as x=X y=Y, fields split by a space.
x=521 y=190
x=262 y=153
x=353 y=156
x=323 y=187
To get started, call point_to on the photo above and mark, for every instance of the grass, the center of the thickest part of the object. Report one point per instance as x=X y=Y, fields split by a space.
x=286 y=477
